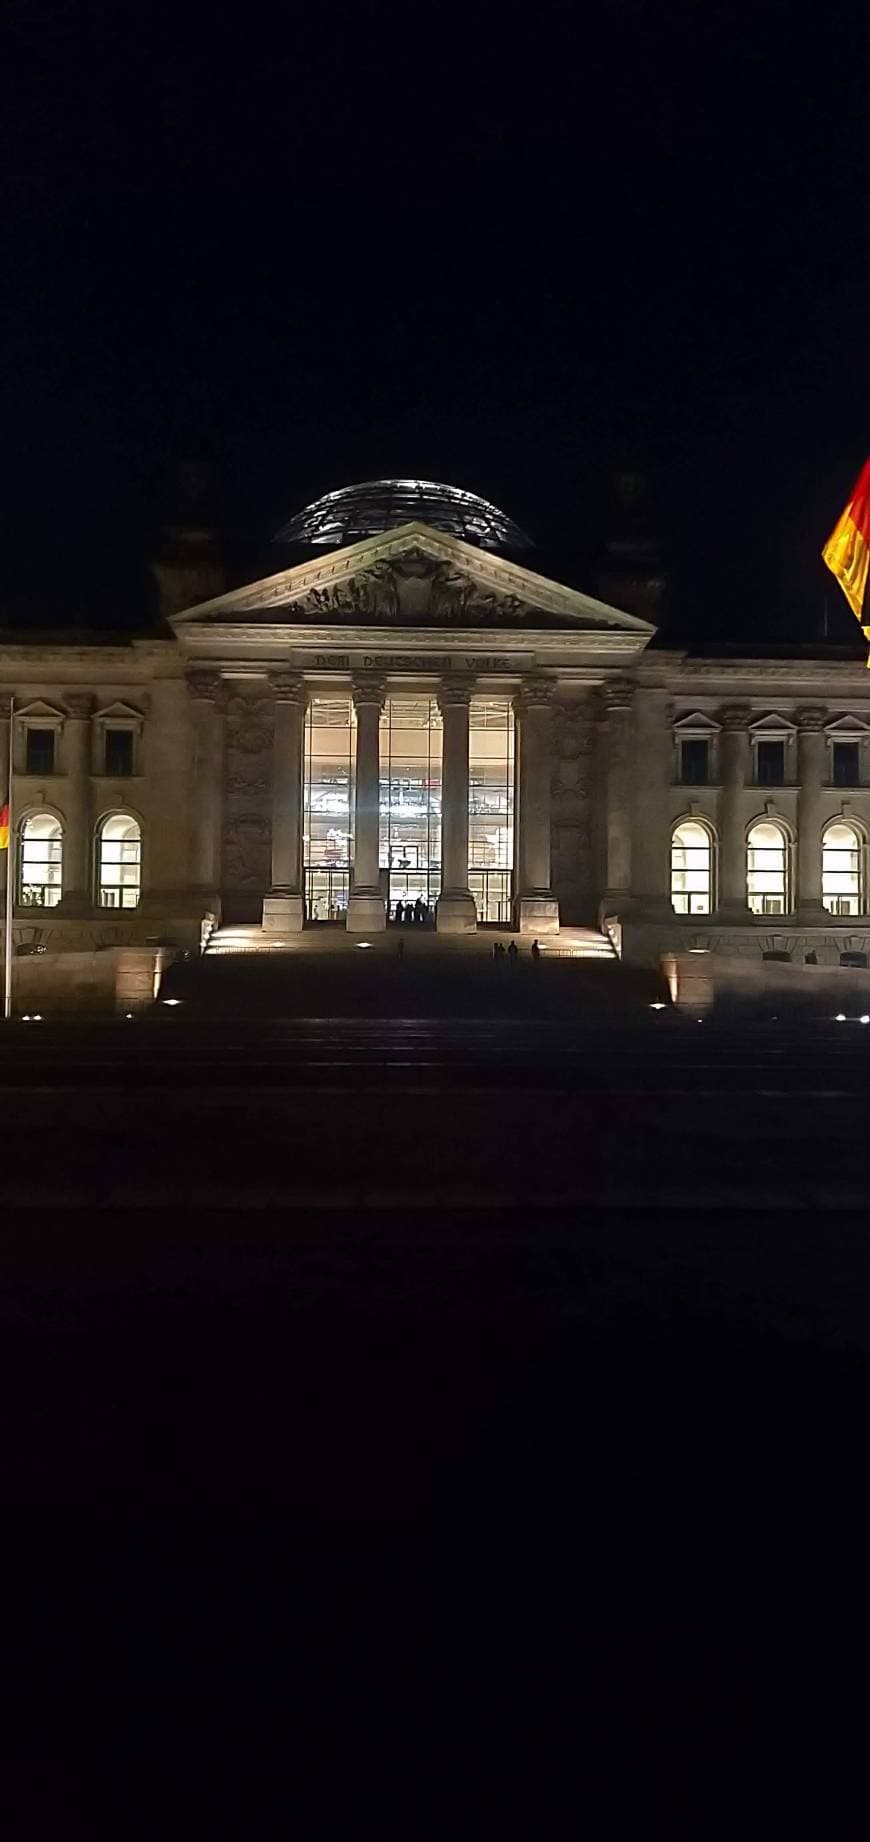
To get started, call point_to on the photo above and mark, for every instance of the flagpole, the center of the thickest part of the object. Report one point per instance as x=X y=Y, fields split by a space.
x=10 y=879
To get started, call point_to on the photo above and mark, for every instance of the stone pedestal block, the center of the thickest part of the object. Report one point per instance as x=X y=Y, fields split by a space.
x=283 y=914
x=366 y=913
x=537 y=914
x=456 y=913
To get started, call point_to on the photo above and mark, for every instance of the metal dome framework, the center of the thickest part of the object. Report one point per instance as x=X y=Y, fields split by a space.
x=373 y=506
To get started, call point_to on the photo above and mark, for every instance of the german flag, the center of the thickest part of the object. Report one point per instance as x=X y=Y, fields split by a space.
x=4 y=826
x=847 y=551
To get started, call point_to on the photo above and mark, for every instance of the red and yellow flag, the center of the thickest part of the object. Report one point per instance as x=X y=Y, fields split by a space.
x=847 y=551
x=4 y=827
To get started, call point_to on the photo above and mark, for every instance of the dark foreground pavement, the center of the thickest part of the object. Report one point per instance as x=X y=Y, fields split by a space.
x=343 y=1504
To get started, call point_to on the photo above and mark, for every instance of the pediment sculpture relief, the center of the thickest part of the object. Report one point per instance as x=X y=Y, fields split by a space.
x=415 y=590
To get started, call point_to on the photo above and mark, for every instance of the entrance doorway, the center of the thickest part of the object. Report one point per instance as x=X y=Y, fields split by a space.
x=492 y=894
x=326 y=894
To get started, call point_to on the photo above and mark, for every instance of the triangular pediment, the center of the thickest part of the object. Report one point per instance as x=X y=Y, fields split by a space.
x=413 y=577
x=847 y=729
x=772 y=725
x=118 y=712
x=38 y=711
x=696 y=724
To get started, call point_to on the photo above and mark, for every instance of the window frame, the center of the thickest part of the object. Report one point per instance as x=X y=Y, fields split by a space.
x=26 y=818
x=765 y=913
x=706 y=825
x=119 y=908
x=849 y=824
x=42 y=729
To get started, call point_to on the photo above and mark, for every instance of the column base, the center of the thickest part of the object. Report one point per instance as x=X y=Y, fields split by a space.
x=283 y=914
x=456 y=913
x=536 y=914
x=366 y=913
x=75 y=907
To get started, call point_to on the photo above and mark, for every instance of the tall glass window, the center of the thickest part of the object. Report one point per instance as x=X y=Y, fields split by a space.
x=410 y=800
x=692 y=869
x=491 y=806
x=330 y=754
x=842 y=893
x=40 y=862
x=120 y=862
x=767 y=890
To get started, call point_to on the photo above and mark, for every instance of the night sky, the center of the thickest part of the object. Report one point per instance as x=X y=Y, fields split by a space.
x=514 y=256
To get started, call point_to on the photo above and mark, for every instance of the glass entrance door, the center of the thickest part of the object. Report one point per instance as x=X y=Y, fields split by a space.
x=326 y=894
x=492 y=893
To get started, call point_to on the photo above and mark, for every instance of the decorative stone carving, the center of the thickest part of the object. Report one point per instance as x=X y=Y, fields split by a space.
x=618 y=694
x=368 y=690
x=205 y=684
x=456 y=691
x=811 y=717
x=415 y=589
x=250 y=715
x=288 y=687
x=735 y=716
x=79 y=705
x=247 y=842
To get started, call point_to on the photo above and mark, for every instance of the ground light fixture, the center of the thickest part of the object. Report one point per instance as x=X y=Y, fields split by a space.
x=840 y=1017
x=660 y=1005
x=172 y=1001
x=362 y=944
x=864 y=1019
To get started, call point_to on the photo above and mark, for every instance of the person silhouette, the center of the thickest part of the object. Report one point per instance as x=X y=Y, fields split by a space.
x=513 y=952
x=400 y=912
x=536 y=951
x=418 y=909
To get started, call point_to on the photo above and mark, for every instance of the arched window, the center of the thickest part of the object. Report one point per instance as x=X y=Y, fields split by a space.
x=120 y=862
x=767 y=867
x=842 y=878
x=692 y=868
x=40 y=861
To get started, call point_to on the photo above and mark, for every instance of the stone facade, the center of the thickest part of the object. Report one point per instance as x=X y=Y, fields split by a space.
x=606 y=730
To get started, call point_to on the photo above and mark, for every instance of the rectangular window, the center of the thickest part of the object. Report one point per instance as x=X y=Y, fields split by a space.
x=410 y=801
x=845 y=765
x=119 y=751
x=491 y=806
x=770 y=764
x=694 y=761
x=39 y=751
x=330 y=754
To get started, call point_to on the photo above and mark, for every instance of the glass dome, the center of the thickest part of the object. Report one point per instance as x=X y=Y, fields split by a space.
x=355 y=512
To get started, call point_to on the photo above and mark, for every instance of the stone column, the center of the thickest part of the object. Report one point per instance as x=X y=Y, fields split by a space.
x=619 y=705
x=284 y=907
x=5 y=708
x=653 y=774
x=456 y=912
x=207 y=707
x=365 y=907
x=734 y=772
x=78 y=894
x=811 y=775
x=536 y=909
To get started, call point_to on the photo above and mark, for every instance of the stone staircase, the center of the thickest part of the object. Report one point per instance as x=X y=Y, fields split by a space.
x=571 y=943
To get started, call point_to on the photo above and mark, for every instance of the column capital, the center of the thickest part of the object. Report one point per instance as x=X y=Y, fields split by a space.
x=287 y=687
x=811 y=718
x=455 y=692
x=206 y=686
x=5 y=705
x=79 y=705
x=534 y=693
x=368 y=690
x=618 y=694
x=735 y=716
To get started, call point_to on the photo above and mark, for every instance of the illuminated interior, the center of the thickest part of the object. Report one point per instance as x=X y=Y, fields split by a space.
x=120 y=860
x=40 y=865
x=330 y=753
x=410 y=800
x=691 y=869
x=372 y=506
x=842 y=866
x=491 y=806
x=767 y=890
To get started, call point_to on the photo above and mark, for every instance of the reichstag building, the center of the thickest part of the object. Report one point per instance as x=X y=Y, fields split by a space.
x=411 y=717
